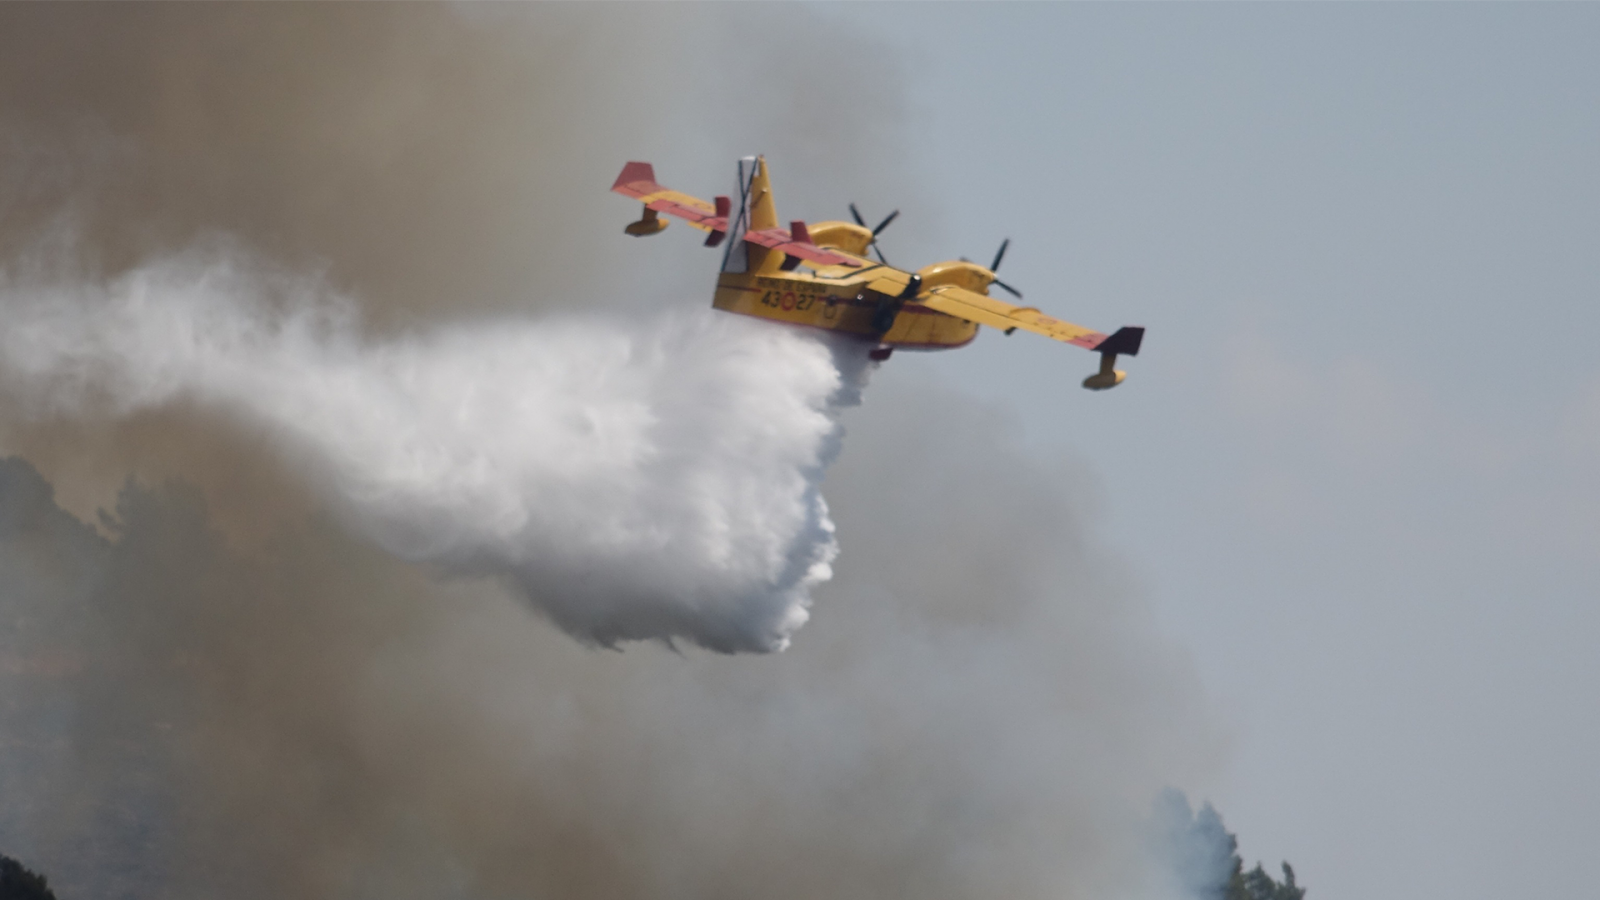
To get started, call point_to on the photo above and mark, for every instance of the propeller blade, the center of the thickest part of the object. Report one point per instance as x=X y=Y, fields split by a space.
x=1009 y=289
x=856 y=214
x=999 y=256
x=879 y=252
x=884 y=224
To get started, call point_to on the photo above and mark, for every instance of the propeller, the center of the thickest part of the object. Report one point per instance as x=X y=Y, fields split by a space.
x=856 y=214
x=996 y=264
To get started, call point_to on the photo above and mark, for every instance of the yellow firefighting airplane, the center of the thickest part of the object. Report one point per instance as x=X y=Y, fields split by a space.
x=934 y=308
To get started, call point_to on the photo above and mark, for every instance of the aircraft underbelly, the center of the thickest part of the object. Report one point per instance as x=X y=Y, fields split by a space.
x=917 y=327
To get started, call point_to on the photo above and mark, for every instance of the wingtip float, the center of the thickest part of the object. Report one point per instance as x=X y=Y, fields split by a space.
x=937 y=307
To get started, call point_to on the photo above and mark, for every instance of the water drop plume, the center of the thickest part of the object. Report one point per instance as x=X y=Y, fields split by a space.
x=654 y=479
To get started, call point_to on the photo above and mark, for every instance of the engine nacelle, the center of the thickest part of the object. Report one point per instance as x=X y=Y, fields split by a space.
x=846 y=236
x=958 y=272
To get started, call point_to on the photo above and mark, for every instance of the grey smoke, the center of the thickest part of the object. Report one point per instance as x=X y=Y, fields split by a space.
x=225 y=687
x=315 y=719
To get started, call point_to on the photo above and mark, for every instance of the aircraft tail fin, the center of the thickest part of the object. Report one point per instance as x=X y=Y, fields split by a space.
x=763 y=212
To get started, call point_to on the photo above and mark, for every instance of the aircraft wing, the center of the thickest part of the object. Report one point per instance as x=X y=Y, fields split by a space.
x=795 y=246
x=986 y=310
x=638 y=180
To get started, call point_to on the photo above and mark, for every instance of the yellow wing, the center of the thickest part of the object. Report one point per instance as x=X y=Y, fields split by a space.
x=986 y=310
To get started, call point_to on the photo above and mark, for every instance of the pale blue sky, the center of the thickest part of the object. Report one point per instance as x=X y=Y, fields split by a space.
x=1355 y=465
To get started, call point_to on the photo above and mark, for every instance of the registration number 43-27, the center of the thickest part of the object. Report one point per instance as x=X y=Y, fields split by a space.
x=789 y=300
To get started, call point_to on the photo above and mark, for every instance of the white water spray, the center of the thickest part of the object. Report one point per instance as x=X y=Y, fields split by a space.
x=635 y=481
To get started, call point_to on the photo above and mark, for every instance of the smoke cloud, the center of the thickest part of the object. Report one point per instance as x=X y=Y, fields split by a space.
x=318 y=304
x=978 y=707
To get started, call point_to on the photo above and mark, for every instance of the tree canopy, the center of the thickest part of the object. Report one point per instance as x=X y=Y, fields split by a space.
x=18 y=883
x=1256 y=884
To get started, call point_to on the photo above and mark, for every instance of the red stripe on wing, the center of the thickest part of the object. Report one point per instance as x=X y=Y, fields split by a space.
x=779 y=239
x=692 y=213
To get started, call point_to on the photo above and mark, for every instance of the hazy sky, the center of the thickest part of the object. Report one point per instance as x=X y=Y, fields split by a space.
x=1355 y=466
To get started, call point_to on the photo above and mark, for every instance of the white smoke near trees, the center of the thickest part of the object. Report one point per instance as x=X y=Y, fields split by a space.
x=1202 y=857
x=636 y=481
x=1193 y=842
